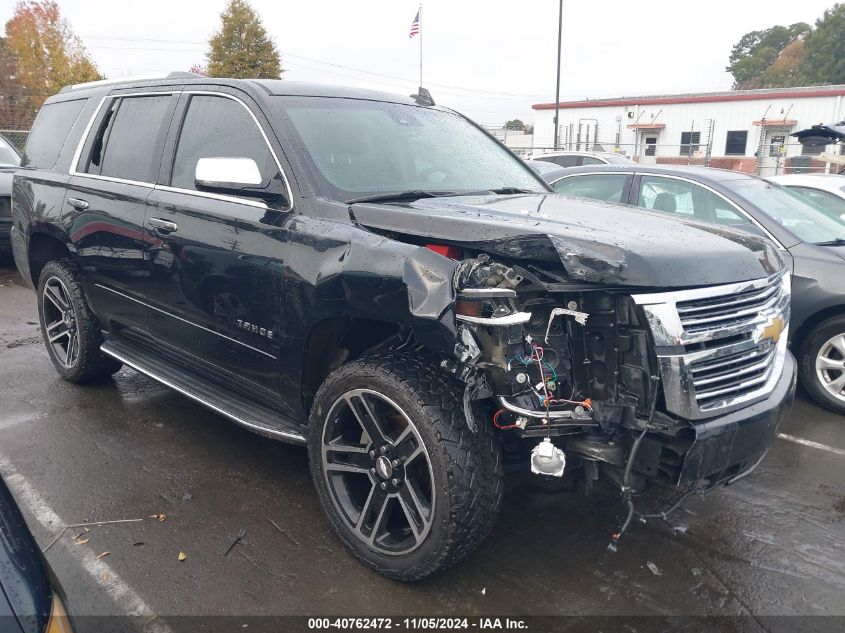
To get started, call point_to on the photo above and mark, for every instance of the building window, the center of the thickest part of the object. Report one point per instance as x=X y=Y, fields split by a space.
x=689 y=143
x=735 y=145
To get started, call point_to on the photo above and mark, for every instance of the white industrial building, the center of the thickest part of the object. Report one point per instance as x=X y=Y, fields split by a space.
x=746 y=130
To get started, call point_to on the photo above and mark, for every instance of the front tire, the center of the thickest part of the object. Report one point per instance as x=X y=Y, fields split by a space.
x=406 y=485
x=70 y=330
x=822 y=364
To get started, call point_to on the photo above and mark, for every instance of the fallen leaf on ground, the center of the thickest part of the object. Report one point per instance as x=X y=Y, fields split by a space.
x=138 y=543
x=103 y=554
x=654 y=568
x=81 y=541
x=182 y=556
x=158 y=517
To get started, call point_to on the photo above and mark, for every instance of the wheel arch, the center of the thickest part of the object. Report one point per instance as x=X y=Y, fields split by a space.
x=46 y=244
x=811 y=322
x=335 y=341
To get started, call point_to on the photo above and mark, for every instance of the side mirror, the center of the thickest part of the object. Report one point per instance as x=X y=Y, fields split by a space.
x=227 y=173
x=238 y=177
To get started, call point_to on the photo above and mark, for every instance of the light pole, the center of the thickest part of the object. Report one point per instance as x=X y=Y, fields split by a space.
x=557 y=83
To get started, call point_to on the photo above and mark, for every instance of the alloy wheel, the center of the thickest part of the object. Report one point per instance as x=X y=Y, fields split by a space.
x=59 y=318
x=378 y=472
x=830 y=366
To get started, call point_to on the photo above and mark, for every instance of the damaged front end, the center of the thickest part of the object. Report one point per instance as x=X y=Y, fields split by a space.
x=685 y=389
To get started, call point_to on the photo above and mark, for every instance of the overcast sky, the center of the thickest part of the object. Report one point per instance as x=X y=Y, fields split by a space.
x=490 y=59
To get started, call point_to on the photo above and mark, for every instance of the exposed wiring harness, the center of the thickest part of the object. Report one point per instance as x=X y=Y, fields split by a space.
x=502 y=427
x=542 y=389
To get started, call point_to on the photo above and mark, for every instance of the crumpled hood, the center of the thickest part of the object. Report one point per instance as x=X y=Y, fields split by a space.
x=595 y=241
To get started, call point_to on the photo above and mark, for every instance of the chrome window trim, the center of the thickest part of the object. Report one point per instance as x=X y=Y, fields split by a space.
x=259 y=204
x=740 y=210
x=196 y=325
x=73 y=171
x=74 y=163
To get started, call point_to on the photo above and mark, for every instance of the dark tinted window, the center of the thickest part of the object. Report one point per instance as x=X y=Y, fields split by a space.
x=217 y=127
x=563 y=161
x=49 y=133
x=599 y=187
x=735 y=145
x=130 y=139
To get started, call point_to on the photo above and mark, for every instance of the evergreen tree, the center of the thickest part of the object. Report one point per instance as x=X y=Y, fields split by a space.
x=242 y=47
x=824 y=61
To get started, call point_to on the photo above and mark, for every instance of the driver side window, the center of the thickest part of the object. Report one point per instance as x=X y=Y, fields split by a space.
x=216 y=127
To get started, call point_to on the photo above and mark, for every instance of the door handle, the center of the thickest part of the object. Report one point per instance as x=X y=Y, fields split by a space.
x=76 y=203
x=164 y=226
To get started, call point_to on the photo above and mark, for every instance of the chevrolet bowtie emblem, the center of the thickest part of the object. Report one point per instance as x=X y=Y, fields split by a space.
x=773 y=329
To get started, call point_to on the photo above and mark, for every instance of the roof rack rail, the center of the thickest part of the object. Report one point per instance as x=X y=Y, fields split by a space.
x=177 y=74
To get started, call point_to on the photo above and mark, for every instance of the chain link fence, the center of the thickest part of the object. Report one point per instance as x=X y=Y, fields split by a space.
x=17 y=138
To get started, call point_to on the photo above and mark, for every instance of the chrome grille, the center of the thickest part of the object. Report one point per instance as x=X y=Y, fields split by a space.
x=701 y=315
x=733 y=374
x=719 y=348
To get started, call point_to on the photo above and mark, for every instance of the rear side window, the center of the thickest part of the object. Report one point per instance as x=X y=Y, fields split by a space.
x=49 y=133
x=218 y=127
x=597 y=186
x=130 y=138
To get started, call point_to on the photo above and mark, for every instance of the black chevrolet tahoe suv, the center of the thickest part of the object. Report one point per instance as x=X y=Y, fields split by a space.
x=377 y=278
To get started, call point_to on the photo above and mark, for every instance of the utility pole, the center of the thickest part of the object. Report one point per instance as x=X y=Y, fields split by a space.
x=557 y=83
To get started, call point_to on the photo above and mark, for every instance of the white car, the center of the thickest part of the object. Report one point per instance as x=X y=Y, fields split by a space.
x=825 y=190
x=577 y=159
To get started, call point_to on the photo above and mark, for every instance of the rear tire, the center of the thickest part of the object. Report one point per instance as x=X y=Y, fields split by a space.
x=821 y=369
x=70 y=330
x=406 y=485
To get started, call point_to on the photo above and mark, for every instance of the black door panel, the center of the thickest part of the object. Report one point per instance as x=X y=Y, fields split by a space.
x=217 y=283
x=108 y=235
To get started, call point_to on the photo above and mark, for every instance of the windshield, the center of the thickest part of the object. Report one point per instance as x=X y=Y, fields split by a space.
x=371 y=147
x=802 y=218
x=8 y=156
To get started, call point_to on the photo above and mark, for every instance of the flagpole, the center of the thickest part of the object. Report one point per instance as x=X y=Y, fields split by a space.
x=421 y=52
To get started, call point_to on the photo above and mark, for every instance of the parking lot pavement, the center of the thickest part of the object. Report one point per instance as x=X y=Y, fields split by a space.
x=772 y=544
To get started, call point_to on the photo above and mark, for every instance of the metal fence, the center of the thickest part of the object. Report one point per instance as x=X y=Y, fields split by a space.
x=769 y=159
x=16 y=137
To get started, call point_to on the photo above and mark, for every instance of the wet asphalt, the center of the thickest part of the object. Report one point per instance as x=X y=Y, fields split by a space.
x=771 y=545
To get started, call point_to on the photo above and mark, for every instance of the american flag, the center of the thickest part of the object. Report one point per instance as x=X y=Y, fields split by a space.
x=415 y=25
